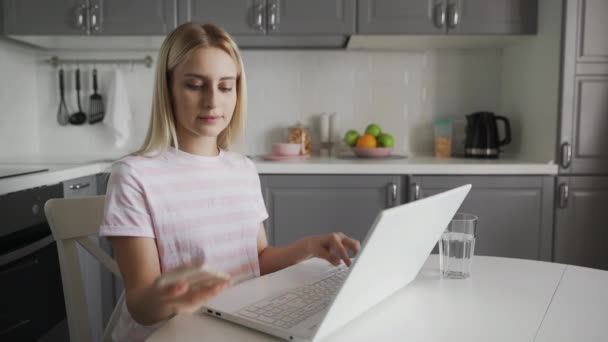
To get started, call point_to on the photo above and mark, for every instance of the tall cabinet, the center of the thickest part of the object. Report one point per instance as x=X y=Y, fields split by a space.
x=580 y=215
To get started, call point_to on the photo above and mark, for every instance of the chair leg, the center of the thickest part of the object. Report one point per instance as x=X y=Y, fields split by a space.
x=107 y=334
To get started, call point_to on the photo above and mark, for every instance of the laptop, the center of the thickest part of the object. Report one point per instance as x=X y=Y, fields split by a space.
x=311 y=300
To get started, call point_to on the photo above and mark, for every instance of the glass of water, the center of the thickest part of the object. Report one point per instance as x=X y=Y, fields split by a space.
x=456 y=247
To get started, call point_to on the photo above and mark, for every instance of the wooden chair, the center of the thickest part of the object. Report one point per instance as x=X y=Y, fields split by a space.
x=72 y=221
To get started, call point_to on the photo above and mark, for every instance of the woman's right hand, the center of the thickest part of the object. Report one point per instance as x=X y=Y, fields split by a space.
x=182 y=297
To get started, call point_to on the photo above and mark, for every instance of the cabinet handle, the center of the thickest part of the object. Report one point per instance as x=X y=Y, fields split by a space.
x=259 y=17
x=453 y=15
x=391 y=194
x=439 y=15
x=95 y=18
x=564 y=194
x=80 y=17
x=79 y=186
x=272 y=17
x=416 y=191
x=566 y=158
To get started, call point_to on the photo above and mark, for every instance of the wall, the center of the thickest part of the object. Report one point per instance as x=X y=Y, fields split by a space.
x=530 y=91
x=18 y=97
x=401 y=91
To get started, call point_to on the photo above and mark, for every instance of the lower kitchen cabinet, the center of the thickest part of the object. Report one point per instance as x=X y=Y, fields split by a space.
x=91 y=269
x=581 y=221
x=303 y=205
x=111 y=286
x=515 y=212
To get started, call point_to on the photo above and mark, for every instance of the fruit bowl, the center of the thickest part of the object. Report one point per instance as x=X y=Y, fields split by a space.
x=372 y=152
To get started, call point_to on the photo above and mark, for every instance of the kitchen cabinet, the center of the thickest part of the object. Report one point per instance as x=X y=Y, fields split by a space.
x=90 y=268
x=303 y=205
x=89 y=17
x=584 y=104
x=476 y=17
x=515 y=212
x=581 y=236
x=276 y=22
x=111 y=286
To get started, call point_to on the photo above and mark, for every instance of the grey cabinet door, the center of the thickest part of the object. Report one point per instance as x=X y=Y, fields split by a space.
x=589 y=125
x=581 y=222
x=31 y=17
x=584 y=100
x=515 y=212
x=304 y=205
x=310 y=17
x=401 y=16
x=492 y=16
x=90 y=268
x=592 y=45
x=238 y=17
x=133 y=17
x=111 y=286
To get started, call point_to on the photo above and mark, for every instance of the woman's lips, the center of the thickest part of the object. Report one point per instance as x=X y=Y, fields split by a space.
x=209 y=119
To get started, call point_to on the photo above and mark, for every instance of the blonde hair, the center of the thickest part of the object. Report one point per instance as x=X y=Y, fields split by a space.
x=176 y=49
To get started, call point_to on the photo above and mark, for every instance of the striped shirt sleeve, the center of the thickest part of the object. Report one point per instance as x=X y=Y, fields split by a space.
x=126 y=211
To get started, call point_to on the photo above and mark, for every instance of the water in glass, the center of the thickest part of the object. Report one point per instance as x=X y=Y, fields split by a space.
x=456 y=250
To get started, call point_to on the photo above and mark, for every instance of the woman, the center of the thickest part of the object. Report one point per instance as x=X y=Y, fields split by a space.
x=184 y=197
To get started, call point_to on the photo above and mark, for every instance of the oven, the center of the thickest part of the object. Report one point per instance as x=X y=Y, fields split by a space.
x=33 y=307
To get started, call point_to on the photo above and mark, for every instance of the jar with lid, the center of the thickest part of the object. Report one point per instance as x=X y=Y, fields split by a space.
x=300 y=134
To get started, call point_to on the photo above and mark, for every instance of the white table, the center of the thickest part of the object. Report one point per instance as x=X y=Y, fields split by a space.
x=504 y=300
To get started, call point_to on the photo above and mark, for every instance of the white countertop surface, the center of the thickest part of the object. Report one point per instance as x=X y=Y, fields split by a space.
x=405 y=166
x=62 y=169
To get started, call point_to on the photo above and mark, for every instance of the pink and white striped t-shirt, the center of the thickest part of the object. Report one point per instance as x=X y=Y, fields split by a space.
x=195 y=207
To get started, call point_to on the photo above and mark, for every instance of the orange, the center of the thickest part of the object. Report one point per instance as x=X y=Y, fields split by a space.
x=367 y=140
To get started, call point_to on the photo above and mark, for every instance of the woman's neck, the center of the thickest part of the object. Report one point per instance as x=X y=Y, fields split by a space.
x=202 y=146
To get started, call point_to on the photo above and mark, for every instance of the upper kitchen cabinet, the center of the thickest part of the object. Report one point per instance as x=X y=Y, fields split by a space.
x=584 y=100
x=238 y=17
x=285 y=23
x=464 y=17
x=401 y=16
x=591 y=29
x=133 y=17
x=56 y=17
x=88 y=17
x=303 y=205
x=515 y=212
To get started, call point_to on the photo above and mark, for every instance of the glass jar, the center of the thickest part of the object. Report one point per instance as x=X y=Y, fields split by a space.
x=443 y=138
x=299 y=134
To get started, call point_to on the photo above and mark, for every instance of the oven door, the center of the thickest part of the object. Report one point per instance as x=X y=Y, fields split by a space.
x=33 y=307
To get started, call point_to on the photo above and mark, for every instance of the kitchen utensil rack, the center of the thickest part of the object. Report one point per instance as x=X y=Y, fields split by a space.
x=56 y=61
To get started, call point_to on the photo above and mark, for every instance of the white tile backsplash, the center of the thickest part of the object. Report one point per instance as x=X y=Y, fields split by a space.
x=18 y=99
x=401 y=91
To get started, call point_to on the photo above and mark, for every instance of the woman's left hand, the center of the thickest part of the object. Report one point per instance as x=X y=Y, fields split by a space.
x=333 y=247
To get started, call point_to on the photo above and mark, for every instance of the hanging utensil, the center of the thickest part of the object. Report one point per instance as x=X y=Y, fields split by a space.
x=96 y=110
x=79 y=117
x=63 y=114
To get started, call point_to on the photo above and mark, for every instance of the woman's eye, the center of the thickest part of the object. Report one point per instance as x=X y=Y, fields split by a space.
x=226 y=89
x=194 y=86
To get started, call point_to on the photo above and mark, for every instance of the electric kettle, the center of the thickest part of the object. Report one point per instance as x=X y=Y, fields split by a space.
x=482 y=139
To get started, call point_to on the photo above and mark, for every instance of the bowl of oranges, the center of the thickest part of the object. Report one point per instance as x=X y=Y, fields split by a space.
x=372 y=144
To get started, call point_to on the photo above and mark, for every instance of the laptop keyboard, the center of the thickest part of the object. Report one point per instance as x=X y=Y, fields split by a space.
x=296 y=305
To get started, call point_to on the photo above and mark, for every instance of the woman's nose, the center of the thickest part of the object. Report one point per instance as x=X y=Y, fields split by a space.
x=210 y=99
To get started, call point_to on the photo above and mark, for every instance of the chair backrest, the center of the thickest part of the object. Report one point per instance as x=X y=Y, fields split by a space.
x=72 y=221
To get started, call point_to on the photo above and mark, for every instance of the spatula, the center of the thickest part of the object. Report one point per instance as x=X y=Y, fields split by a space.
x=96 y=109
x=79 y=117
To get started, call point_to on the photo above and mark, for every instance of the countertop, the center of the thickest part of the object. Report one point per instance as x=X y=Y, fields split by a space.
x=65 y=169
